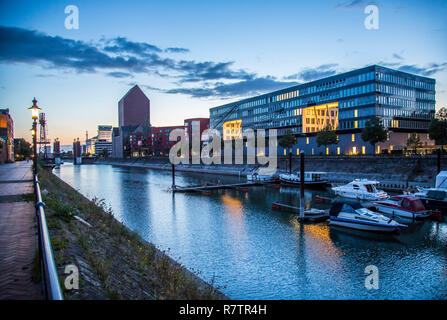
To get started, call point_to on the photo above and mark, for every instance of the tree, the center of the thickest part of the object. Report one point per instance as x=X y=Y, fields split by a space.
x=438 y=131
x=288 y=140
x=374 y=132
x=326 y=137
x=414 y=141
x=441 y=114
x=22 y=148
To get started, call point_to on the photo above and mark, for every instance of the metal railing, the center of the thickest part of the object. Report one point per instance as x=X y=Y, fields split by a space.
x=50 y=280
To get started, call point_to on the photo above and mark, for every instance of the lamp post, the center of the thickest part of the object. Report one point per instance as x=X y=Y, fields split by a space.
x=34 y=115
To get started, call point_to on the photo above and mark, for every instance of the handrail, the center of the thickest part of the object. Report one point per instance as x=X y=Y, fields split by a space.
x=50 y=280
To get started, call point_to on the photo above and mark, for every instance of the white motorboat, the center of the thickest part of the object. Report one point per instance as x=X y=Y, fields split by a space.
x=405 y=206
x=313 y=179
x=361 y=189
x=351 y=214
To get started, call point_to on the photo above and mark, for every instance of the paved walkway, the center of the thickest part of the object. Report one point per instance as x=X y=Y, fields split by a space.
x=18 y=233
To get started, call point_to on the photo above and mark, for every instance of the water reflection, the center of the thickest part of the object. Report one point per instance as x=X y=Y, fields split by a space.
x=258 y=253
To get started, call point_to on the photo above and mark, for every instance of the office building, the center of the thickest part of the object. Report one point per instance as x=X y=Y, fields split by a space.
x=404 y=102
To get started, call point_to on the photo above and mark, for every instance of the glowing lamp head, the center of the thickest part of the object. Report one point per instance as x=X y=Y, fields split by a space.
x=34 y=110
x=33 y=132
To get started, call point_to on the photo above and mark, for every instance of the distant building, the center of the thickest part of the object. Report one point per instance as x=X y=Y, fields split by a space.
x=90 y=145
x=117 y=144
x=160 y=139
x=133 y=112
x=77 y=152
x=194 y=127
x=105 y=133
x=103 y=148
x=6 y=136
x=134 y=108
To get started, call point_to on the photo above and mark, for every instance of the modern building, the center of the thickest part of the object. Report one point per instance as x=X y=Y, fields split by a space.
x=134 y=108
x=160 y=139
x=90 y=146
x=405 y=103
x=194 y=127
x=117 y=144
x=133 y=112
x=6 y=136
x=103 y=148
x=105 y=133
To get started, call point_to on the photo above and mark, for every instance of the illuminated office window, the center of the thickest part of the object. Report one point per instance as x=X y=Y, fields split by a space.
x=378 y=149
x=338 y=150
x=353 y=138
x=363 y=150
x=327 y=151
x=298 y=151
x=354 y=150
x=307 y=140
x=355 y=113
x=356 y=124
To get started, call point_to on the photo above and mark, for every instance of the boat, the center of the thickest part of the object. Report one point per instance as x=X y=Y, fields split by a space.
x=361 y=189
x=262 y=177
x=351 y=214
x=406 y=206
x=312 y=179
x=435 y=198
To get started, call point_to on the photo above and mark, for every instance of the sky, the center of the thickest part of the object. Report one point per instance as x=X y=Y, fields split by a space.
x=189 y=56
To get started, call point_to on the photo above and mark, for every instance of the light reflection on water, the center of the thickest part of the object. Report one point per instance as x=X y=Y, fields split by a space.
x=257 y=253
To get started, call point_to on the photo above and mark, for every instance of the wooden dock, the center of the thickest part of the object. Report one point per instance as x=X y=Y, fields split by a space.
x=312 y=215
x=235 y=186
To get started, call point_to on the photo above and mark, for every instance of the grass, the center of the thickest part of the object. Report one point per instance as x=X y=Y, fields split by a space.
x=36 y=274
x=124 y=265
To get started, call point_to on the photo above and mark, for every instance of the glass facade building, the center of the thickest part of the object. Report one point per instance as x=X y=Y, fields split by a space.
x=405 y=102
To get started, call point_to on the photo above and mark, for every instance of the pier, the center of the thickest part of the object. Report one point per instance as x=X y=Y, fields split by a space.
x=235 y=186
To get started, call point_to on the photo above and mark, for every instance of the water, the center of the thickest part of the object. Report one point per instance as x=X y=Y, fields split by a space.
x=256 y=253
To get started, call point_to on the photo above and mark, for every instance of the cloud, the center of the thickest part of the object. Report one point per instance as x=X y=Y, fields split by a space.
x=116 y=55
x=177 y=50
x=349 y=4
x=241 y=88
x=397 y=56
x=428 y=70
x=122 y=45
x=200 y=71
x=310 y=74
x=118 y=74
x=32 y=47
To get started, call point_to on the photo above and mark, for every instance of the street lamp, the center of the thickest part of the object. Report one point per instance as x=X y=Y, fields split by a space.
x=34 y=115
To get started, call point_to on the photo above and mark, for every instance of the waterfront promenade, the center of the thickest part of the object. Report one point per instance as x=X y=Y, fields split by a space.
x=18 y=233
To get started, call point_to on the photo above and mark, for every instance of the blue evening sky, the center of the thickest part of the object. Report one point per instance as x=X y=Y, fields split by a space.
x=223 y=51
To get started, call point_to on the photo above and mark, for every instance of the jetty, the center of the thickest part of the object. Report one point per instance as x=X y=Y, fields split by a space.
x=235 y=186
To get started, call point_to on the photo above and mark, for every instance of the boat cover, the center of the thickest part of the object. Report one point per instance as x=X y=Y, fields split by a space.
x=441 y=180
x=337 y=205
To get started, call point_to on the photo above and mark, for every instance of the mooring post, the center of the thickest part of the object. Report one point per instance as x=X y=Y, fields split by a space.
x=290 y=161
x=173 y=176
x=302 y=184
x=439 y=160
